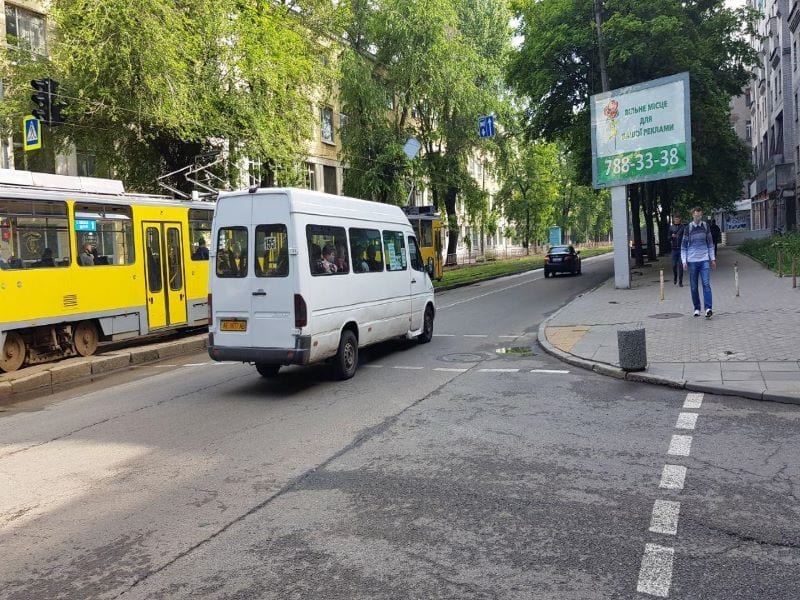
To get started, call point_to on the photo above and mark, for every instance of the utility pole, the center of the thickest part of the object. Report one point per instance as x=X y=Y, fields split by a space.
x=601 y=51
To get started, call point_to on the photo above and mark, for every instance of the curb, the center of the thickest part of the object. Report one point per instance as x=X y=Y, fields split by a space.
x=643 y=377
x=49 y=378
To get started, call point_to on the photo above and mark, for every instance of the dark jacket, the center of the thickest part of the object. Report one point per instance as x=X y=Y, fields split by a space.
x=676 y=236
x=716 y=233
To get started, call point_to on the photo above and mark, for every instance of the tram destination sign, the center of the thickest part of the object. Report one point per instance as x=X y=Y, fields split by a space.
x=642 y=132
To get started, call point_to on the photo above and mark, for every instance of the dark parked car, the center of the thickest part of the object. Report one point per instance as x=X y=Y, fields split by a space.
x=562 y=259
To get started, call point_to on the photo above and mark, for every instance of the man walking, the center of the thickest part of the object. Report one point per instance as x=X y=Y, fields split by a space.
x=675 y=237
x=697 y=252
x=716 y=234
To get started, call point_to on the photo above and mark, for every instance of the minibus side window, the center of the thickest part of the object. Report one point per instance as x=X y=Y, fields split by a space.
x=394 y=245
x=366 y=250
x=35 y=234
x=232 y=252
x=414 y=254
x=272 y=251
x=327 y=250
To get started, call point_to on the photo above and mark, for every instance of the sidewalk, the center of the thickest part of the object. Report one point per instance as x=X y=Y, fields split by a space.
x=750 y=347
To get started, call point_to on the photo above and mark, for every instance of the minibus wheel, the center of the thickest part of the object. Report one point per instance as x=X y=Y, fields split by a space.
x=267 y=370
x=346 y=360
x=427 y=327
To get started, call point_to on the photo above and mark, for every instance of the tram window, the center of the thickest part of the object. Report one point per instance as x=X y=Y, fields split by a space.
x=108 y=229
x=152 y=240
x=174 y=267
x=426 y=234
x=272 y=251
x=395 y=246
x=200 y=232
x=33 y=234
x=232 y=252
x=327 y=250
x=366 y=249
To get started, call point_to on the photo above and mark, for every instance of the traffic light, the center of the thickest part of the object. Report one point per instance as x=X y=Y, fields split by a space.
x=48 y=106
x=41 y=99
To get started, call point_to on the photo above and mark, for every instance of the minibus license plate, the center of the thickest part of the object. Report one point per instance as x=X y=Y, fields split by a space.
x=233 y=326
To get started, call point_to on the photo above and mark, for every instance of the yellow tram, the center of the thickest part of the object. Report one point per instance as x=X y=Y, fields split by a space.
x=427 y=224
x=81 y=262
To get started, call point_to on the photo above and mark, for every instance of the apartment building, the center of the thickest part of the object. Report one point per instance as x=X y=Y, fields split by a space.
x=773 y=99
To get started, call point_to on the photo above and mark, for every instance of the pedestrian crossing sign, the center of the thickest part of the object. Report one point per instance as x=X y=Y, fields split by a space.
x=31 y=133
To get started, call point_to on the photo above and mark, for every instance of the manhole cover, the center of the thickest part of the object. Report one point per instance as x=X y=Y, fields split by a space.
x=516 y=351
x=463 y=357
x=666 y=316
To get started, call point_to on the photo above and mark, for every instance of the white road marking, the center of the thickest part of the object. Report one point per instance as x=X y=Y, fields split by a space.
x=444 y=335
x=164 y=366
x=373 y=366
x=665 y=517
x=693 y=400
x=672 y=477
x=498 y=370
x=680 y=445
x=511 y=337
x=224 y=362
x=686 y=421
x=197 y=364
x=410 y=368
x=480 y=335
x=556 y=371
x=655 y=576
x=446 y=370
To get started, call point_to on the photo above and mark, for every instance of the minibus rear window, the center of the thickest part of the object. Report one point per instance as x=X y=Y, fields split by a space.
x=232 y=252
x=272 y=251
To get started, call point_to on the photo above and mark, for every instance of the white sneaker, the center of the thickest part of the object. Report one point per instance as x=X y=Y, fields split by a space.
x=709 y=312
x=697 y=313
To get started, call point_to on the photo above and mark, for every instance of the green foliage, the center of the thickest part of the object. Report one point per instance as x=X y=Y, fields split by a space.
x=152 y=84
x=766 y=250
x=556 y=67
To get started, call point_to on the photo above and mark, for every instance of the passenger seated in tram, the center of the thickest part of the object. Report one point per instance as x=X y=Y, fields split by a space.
x=47 y=259
x=86 y=257
x=201 y=252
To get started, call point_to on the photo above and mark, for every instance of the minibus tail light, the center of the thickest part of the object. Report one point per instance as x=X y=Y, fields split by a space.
x=210 y=311
x=300 y=312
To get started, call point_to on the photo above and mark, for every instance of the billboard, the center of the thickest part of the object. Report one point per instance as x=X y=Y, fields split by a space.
x=642 y=132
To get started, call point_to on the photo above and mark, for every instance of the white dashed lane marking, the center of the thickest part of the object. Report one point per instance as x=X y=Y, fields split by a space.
x=665 y=517
x=448 y=370
x=694 y=400
x=655 y=576
x=498 y=370
x=553 y=371
x=686 y=421
x=410 y=368
x=476 y=335
x=680 y=445
x=672 y=477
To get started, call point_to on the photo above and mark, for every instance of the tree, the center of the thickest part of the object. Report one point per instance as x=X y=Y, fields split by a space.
x=530 y=175
x=425 y=69
x=556 y=67
x=152 y=84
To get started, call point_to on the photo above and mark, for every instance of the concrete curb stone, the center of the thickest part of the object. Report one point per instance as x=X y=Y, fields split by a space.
x=603 y=369
x=31 y=382
x=70 y=372
x=5 y=390
x=656 y=379
x=105 y=363
x=143 y=355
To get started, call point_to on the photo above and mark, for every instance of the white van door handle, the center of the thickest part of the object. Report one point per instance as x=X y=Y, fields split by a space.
x=413 y=281
x=259 y=293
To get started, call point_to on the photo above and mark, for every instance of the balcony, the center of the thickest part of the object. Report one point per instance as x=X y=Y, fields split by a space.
x=794 y=16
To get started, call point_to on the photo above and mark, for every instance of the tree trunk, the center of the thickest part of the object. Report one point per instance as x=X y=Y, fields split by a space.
x=527 y=231
x=450 y=197
x=637 y=227
x=664 y=221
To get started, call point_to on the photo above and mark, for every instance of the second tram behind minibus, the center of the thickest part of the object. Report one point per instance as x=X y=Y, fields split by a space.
x=299 y=277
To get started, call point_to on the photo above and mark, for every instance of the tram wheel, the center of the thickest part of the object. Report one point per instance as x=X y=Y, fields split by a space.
x=85 y=338
x=13 y=353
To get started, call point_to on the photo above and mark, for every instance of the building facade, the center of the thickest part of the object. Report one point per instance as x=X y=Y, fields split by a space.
x=773 y=99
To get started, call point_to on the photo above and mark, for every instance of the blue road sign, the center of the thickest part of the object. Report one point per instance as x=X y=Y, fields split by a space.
x=486 y=126
x=85 y=225
x=31 y=133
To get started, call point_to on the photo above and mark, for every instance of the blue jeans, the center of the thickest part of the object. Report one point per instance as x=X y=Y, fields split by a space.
x=700 y=270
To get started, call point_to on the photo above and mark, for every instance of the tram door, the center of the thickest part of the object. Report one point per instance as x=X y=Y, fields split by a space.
x=165 y=282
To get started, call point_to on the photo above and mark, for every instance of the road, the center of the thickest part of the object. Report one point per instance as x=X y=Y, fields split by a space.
x=445 y=470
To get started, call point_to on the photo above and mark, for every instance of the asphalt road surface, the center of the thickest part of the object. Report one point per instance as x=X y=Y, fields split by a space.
x=445 y=470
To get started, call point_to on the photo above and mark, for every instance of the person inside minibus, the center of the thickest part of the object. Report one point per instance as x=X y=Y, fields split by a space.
x=329 y=260
x=359 y=263
x=372 y=262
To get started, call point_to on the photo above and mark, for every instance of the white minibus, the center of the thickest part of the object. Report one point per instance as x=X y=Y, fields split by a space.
x=299 y=277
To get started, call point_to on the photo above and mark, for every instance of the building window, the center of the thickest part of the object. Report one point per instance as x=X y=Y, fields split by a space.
x=311 y=176
x=329 y=180
x=26 y=29
x=327 y=125
x=748 y=129
x=86 y=167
